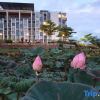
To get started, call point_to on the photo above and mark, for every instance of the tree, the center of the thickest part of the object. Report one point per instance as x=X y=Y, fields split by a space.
x=88 y=38
x=48 y=27
x=65 y=31
x=91 y=39
x=97 y=42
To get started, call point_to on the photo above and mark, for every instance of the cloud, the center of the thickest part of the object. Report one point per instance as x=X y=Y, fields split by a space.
x=96 y=3
x=97 y=30
x=54 y=5
x=85 y=19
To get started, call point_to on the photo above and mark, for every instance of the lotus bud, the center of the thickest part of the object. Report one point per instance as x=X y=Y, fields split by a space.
x=79 y=61
x=37 y=65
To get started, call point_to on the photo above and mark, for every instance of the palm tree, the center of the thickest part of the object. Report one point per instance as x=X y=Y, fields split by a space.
x=65 y=32
x=48 y=27
x=89 y=38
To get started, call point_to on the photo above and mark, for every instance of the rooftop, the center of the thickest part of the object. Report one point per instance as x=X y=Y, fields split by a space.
x=16 y=6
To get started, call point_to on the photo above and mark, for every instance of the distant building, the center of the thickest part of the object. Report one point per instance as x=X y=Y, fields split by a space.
x=40 y=17
x=17 y=21
x=59 y=18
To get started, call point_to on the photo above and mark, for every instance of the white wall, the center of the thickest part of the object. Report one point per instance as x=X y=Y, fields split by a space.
x=55 y=19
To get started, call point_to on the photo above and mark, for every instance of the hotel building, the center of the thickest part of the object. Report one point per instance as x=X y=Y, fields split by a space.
x=17 y=21
x=59 y=18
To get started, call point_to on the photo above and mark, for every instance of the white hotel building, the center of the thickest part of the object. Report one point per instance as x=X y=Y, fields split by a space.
x=17 y=21
x=59 y=18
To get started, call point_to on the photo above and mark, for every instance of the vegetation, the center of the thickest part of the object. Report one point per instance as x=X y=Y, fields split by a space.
x=17 y=75
x=8 y=41
x=91 y=39
x=59 y=91
x=65 y=32
x=48 y=28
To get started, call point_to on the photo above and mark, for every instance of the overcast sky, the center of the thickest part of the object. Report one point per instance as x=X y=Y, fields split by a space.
x=83 y=15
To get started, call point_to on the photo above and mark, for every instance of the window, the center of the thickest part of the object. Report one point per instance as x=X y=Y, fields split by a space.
x=44 y=16
x=1 y=26
x=13 y=24
x=17 y=24
x=17 y=33
x=41 y=34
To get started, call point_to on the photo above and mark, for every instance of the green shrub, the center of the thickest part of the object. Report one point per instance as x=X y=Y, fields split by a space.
x=8 y=41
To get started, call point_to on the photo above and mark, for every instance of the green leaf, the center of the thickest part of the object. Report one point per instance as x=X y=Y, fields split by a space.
x=58 y=91
x=5 y=91
x=24 y=85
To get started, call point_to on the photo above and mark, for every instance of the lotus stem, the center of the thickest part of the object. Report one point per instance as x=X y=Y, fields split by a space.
x=37 y=76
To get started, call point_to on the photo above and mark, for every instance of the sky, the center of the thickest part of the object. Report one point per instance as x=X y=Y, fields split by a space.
x=83 y=15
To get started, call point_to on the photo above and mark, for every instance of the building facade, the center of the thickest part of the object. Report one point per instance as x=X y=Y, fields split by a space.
x=59 y=18
x=17 y=21
x=41 y=17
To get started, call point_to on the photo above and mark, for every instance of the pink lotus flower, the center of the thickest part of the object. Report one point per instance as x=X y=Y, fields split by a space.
x=37 y=65
x=79 y=61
